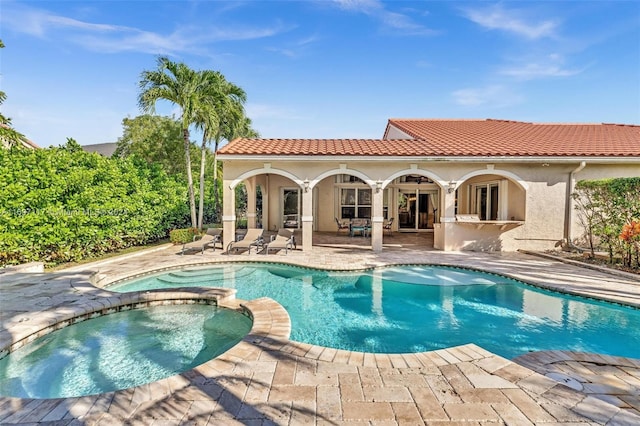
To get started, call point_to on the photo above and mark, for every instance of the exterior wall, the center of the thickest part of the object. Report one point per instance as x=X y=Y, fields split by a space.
x=394 y=133
x=273 y=211
x=537 y=194
x=325 y=208
x=517 y=201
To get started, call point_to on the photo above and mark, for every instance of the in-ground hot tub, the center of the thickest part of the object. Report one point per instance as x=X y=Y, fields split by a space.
x=121 y=350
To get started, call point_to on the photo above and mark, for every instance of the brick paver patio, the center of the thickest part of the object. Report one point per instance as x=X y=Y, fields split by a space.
x=268 y=379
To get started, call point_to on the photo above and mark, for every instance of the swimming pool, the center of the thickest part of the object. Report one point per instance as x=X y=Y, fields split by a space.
x=120 y=350
x=416 y=308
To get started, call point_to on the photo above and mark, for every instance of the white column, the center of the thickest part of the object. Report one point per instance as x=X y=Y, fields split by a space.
x=250 y=184
x=265 y=203
x=307 y=219
x=228 y=213
x=447 y=221
x=377 y=220
x=449 y=207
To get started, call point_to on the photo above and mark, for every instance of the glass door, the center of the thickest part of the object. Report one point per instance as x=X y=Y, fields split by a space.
x=291 y=208
x=425 y=220
x=416 y=210
x=407 y=210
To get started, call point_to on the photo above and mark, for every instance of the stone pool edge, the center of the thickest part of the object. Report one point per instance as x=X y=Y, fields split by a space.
x=256 y=354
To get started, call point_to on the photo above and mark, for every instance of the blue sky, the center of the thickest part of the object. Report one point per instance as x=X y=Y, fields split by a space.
x=323 y=69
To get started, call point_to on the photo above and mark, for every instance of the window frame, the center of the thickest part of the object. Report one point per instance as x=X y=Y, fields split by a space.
x=359 y=203
x=482 y=198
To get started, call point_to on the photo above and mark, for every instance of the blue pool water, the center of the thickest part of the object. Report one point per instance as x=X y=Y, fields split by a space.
x=420 y=308
x=120 y=350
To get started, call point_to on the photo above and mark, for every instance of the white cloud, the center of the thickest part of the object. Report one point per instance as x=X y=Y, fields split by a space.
x=497 y=96
x=536 y=70
x=296 y=48
x=115 y=38
x=512 y=21
x=392 y=20
x=541 y=67
x=359 y=5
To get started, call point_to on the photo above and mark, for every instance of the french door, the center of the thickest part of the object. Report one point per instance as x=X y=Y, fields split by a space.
x=290 y=208
x=416 y=209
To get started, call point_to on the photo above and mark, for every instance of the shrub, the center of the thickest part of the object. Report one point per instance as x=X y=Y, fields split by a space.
x=181 y=236
x=64 y=204
x=605 y=208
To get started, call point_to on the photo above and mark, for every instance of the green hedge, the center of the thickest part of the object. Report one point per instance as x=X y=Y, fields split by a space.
x=181 y=236
x=64 y=204
x=604 y=207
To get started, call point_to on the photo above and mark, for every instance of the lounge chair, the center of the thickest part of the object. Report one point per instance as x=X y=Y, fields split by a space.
x=284 y=240
x=253 y=238
x=213 y=236
x=342 y=225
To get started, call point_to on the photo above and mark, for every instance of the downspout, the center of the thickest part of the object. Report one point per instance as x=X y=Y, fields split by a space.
x=568 y=223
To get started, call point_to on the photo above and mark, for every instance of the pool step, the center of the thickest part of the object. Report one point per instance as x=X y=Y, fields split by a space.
x=179 y=277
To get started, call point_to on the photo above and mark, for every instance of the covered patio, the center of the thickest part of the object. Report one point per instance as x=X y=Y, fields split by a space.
x=386 y=199
x=392 y=241
x=474 y=185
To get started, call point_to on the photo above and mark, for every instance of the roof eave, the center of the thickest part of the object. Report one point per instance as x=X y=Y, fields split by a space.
x=600 y=159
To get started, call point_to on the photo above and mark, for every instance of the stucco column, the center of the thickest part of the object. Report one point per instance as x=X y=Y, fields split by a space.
x=377 y=220
x=447 y=220
x=250 y=184
x=228 y=213
x=264 y=188
x=449 y=206
x=307 y=219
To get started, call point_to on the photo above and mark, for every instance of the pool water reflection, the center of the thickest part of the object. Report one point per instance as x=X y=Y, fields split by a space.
x=418 y=308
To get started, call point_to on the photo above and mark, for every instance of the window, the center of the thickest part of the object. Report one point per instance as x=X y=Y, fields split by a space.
x=291 y=207
x=348 y=179
x=414 y=179
x=355 y=203
x=486 y=201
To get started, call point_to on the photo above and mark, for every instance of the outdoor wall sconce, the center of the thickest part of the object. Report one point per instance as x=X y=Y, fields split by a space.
x=378 y=185
x=451 y=187
x=306 y=185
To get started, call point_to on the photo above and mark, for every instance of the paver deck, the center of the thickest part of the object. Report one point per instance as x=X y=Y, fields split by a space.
x=268 y=379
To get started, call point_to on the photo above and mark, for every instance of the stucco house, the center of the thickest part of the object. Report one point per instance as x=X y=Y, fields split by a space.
x=475 y=184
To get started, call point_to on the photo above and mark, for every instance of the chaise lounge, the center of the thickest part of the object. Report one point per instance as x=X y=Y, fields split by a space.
x=253 y=238
x=210 y=239
x=283 y=240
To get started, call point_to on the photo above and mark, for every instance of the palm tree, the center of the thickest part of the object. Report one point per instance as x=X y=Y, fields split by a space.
x=8 y=136
x=221 y=107
x=178 y=84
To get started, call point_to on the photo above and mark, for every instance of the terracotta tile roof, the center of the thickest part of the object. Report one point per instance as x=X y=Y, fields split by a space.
x=463 y=138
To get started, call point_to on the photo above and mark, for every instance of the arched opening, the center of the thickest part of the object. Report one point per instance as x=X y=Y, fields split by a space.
x=278 y=202
x=342 y=197
x=491 y=197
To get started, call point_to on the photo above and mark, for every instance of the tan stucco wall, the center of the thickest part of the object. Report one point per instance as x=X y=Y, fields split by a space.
x=539 y=198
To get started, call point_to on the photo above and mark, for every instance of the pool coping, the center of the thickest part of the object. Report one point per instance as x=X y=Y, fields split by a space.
x=502 y=389
x=269 y=334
